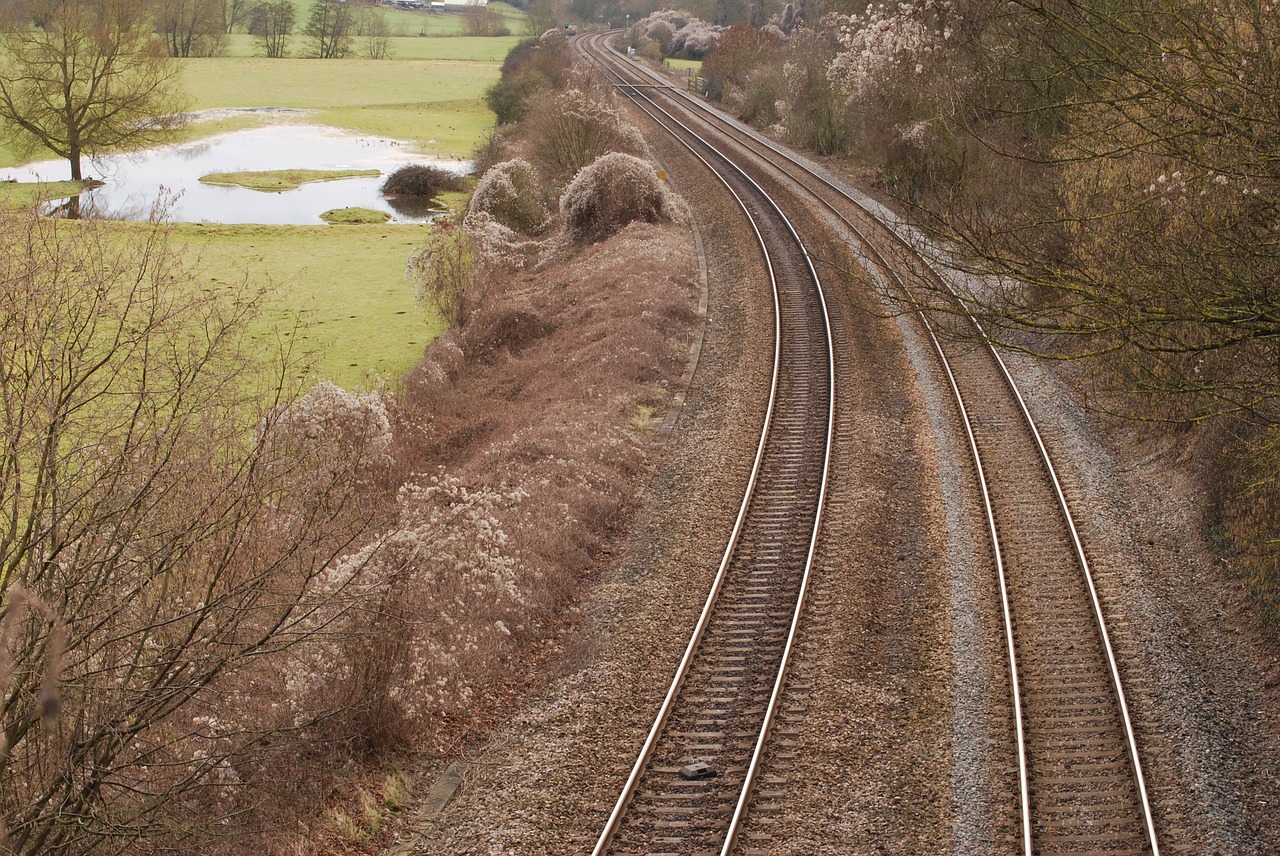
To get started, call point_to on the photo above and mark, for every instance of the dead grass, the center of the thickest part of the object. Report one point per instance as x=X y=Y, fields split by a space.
x=539 y=391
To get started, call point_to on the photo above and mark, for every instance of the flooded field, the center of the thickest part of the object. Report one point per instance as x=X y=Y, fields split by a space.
x=133 y=183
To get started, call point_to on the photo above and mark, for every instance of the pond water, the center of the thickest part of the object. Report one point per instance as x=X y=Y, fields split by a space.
x=134 y=182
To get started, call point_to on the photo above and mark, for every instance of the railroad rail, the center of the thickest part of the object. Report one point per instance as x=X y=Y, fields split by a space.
x=691 y=783
x=1080 y=782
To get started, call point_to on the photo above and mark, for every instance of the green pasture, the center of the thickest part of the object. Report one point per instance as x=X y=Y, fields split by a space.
x=344 y=283
x=684 y=64
x=28 y=193
x=406 y=47
x=405 y=22
x=436 y=104
x=350 y=216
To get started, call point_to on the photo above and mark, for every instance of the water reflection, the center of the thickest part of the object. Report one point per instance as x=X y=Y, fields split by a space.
x=134 y=182
x=413 y=208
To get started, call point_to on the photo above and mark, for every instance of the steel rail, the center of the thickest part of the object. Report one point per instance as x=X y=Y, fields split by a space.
x=642 y=761
x=1051 y=471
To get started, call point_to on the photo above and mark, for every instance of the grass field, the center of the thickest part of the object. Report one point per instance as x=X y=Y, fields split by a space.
x=409 y=47
x=403 y=22
x=277 y=180
x=345 y=283
x=694 y=65
x=27 y=194
x=437 y=104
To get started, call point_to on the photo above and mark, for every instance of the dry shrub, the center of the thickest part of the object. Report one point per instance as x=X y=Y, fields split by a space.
x=489 y=151
x=615 y=190
x=509 y=330
x=419 y=180
x=435 y=618
x=511 y=194
x=443 y=272
x=530 y=68
x=185 y=550
x=568 y=130
x=1250 y=512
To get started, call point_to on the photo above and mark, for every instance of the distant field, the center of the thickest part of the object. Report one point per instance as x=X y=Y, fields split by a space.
x=412 y=23
x=694 y=65
x=431 y=92
x=437 y=104
x=410 y=46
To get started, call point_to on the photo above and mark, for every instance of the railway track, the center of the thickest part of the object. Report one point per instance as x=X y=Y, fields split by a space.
x=688 y=790
x=1079 y=784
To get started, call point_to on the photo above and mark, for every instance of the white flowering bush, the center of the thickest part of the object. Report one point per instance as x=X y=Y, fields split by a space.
x=888 y=40
x=673 y=32
x=512 y=194
x=328 y=415
x=438 y=601
x=652 y=35
x=613 y=191
x=330 y=432
x=695 y=39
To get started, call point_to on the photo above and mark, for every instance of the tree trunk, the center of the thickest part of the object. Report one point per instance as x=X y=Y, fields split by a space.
x=74 y=157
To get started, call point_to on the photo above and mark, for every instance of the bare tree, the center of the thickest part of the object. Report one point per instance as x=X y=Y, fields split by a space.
x=328 y=29
x=1146 y=236
x=483 y=21
x=273 y=22
x=372 y=27
x=157 y=499
x=91 y=78
x=540 y=16
x=192 y=27
x=235 y=13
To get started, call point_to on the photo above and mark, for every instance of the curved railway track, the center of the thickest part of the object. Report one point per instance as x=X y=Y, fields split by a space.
x=724 y=697
x=1080 y=785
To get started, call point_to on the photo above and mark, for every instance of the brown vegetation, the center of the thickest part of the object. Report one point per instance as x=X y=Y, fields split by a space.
x=177 y=520
x=569 y=128
x=537 y=397
x=519 y=445
x=419 y=180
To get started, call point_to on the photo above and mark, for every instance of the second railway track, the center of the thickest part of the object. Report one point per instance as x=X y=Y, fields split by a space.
x=1080 y=784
